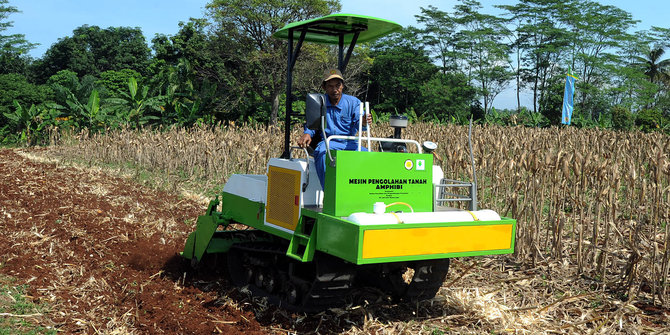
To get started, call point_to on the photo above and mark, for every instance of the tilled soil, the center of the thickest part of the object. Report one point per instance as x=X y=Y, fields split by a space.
x=100 y=253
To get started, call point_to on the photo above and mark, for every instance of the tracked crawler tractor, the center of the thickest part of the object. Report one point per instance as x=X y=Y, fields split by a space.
x=381 y=213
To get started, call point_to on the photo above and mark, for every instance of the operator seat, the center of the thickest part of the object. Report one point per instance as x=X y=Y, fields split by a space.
x=315 y=110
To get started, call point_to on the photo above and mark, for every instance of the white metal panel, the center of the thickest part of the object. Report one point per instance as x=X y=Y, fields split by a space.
x=423 y=217
x=438 y=174
x=250 y=186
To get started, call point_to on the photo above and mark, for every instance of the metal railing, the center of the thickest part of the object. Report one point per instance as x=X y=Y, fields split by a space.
x=444 y=197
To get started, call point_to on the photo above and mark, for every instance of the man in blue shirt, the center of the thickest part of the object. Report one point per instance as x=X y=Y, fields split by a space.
x=342 y=117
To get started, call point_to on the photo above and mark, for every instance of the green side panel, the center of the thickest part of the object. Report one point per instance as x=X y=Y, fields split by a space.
x=321 y=30
x=511 y=250
x=359 y=179
x=344 y=239
x=338 y=237
x=247 y=212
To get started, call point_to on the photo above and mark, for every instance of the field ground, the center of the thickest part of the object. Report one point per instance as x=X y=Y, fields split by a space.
x=89 y=251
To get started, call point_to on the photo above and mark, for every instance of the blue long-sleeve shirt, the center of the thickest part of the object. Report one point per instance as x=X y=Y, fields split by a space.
x=341 y=119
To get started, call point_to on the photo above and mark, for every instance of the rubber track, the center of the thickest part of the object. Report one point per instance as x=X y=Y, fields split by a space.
x=428 y=278
x=331 y=282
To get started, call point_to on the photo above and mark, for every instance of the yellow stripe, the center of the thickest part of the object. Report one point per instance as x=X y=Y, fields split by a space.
x=569 y=75
x=473 y=216
x=435 y=240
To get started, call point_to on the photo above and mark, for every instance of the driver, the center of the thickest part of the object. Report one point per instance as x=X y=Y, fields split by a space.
x=342 y=117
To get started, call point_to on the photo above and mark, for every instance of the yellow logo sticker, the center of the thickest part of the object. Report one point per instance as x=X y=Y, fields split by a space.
x=409 y=164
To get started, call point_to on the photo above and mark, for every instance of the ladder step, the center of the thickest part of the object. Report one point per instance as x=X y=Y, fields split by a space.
x=300 y=236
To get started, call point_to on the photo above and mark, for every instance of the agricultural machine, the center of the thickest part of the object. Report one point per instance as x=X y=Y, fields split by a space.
x=383 y=218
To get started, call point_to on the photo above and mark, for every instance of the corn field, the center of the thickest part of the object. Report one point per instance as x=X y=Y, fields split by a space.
x=598 y=200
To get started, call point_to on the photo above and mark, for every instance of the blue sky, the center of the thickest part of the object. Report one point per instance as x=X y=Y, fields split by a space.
x=45 y=21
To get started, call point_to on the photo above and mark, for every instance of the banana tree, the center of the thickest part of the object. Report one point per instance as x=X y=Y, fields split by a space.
x=90 y=115
x=134 y=106
x=23 y=121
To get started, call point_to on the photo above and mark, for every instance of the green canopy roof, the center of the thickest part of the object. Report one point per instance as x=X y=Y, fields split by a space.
x=327 y=29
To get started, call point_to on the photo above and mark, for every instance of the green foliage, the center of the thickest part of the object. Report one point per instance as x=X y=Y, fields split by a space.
x=65 y=78
x=134 y=105
x=532 y=119
x=551 y=101
x=581 y=119
x=227 y=66
x=440 y=36
x=23 y=121
x=86 y=113
x=189 y=43
x=13 y=48
x=92 y=50
x=27 y=125
x=651 y=119
x=500 y=118
x=622 y=118
x=482 y=51
x=399 y=70
x=445 y=96
x=16 y=87
x=66 y=85
x=116 y=82
x=245 y=28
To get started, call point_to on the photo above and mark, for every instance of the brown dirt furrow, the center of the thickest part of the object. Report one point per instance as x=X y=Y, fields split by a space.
x=101 y=253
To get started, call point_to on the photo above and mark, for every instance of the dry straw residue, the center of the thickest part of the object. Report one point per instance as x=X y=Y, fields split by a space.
x=597 y=200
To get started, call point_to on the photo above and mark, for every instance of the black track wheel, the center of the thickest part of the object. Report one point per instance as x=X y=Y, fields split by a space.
x=428 y=277
x=393 y=283
x=240 y=275
x=332 y=283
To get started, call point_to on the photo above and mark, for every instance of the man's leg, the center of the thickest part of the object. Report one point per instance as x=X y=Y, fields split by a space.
x=320 y=162
x=352 y=146
x=321 y=159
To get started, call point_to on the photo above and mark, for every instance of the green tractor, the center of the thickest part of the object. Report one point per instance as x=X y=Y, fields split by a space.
x=382 y=220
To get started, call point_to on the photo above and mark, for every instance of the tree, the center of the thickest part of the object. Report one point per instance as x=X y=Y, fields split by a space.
x=515 y=44
x=654 y=68
x=67 y=85
x=645 y=76
x=92 y=50
x=247 y=26
x=399 y=69
x=13 y=48
x=134 y=105
x=440 y=35
x=551 y=104
x=447 y=97
x=622 y=118
x=542 y=41
x=484 y=53
x=23 y=121
x=15 y=87
x=595 y=30
x=115 y=82
x=190 y=42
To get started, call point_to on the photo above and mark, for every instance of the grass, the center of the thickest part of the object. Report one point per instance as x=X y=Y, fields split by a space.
x=19 y=315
